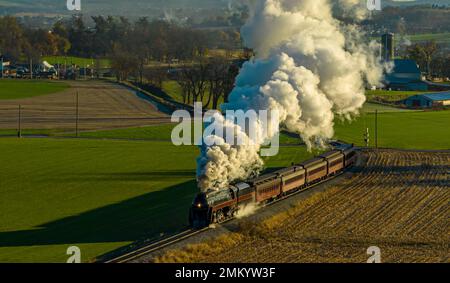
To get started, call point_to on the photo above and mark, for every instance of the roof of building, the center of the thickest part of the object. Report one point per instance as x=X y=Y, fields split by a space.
x=440 y=85
x=395 y=80
x=405 y=66
x=439 y=96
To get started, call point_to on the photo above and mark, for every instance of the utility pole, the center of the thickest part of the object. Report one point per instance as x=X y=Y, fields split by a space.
x=2 y=68
x=19 y=130
x=31 y=68
x=77 y=115
x=376 y=128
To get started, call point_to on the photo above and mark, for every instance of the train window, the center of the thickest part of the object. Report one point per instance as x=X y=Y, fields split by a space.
x=317 y=170
x=295 y=179
x=337 y=162
x=269 y=189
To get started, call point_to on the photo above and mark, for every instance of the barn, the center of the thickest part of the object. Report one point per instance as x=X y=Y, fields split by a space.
x=428 y=100
x=405 y=76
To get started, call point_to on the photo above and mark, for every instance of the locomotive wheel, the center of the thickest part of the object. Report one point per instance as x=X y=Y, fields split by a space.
x=220 y=217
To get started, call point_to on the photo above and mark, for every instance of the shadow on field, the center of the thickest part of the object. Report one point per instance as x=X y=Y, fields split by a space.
x=146 y=216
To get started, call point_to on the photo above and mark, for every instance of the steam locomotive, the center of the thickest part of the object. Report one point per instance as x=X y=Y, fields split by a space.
x=218 y=206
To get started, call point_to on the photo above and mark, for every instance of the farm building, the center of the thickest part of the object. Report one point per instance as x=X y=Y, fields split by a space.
x=405 y=76
x=429 y=100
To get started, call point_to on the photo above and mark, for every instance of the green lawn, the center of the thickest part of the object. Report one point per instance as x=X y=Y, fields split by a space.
x=154 y=133
x=382 y=108
x=441 y=38
x=69 y=60
x=407 y=130
x=390 y=95
x=438 y=37
x=99 y=195
x=160 y=132
x=398 y=128
x=18 y=89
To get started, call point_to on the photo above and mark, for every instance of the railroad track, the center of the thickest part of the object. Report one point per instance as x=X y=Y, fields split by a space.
x=155 y=246
x=158 y=245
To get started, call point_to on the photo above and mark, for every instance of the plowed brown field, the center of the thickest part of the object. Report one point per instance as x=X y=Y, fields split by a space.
x=102 y=105
x=397 y=201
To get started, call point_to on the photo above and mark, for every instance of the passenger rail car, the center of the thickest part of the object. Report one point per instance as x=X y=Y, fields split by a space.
x=218 y=206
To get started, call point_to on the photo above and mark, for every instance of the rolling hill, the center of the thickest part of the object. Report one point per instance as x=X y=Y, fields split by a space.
x=143 y=7
x=116 y=7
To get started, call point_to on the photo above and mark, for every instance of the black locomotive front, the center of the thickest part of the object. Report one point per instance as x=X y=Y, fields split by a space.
x=199 y=215
x=213 y=206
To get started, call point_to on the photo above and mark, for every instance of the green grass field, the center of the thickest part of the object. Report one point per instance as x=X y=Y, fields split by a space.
x=441 y=38
x=391 y=95
x=438 y=37
x=18 y=89
x=69 y=60
x=102 y=194
x=406 y=130
x=96 y=194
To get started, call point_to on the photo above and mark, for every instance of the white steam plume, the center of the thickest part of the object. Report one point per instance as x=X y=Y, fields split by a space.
x=309 y=67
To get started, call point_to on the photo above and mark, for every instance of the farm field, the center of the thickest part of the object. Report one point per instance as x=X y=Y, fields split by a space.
x=370 y=107
x=397 y=201
x=391 y=95
x=403 y=129
x=440 y=38
x=20 y=89
x=124 y=180
x=97 y=194
x=101 y=105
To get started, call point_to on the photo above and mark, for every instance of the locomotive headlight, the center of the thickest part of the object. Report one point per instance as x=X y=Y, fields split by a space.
x=199 y=205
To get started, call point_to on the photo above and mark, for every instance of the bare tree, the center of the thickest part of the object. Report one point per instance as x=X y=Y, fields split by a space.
x=423 y=54
x=193 y=81
x=155 y=76
x=123 y=64
x=217 y=77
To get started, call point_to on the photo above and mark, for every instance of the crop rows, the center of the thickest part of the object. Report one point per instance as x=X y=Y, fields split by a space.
x=398 y=201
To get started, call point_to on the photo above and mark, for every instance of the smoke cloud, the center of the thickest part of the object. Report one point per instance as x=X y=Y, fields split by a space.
x=309 y=67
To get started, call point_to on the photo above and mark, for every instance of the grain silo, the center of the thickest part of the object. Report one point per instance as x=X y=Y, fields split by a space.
x=387 y=41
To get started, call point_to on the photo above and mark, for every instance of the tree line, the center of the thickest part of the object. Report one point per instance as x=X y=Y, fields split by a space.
x=417 y=19
x=144 y=52
x=433 y=61
x=148 y=40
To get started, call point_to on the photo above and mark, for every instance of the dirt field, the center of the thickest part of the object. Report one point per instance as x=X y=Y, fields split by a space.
x=398 y=201
x=102 y=105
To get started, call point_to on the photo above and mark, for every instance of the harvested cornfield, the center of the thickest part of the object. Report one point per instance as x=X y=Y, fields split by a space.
x=101 y=105
x=397 y=201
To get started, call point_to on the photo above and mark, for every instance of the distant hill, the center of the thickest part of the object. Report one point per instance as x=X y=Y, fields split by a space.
x=114 y=7
x=415 y=2
x=174 y=9
x=141 y=7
